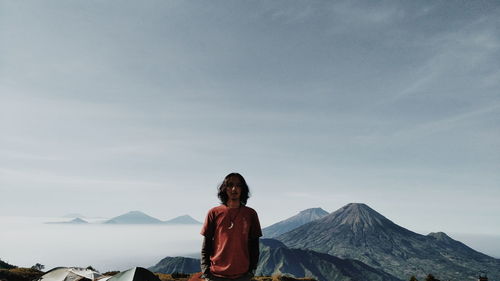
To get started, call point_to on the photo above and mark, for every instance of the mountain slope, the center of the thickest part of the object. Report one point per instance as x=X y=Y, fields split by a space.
x=171 y=265
x=276 y=258
x=358 y=232
x=300 y=219
x=133 y=217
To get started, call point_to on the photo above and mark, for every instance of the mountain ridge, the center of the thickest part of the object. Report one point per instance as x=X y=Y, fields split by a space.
x=291 y=223
x=277 y=259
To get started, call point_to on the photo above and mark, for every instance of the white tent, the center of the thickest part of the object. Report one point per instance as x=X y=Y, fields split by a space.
x=69 y=274
x=135 y=274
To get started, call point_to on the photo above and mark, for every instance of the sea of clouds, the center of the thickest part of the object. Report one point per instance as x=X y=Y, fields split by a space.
x=25 y=241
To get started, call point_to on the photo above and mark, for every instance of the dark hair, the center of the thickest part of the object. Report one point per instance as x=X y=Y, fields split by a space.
x=245 y=191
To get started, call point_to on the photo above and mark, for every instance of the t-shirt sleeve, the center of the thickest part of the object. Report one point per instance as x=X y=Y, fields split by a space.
x=208 y=228
x=255 y=231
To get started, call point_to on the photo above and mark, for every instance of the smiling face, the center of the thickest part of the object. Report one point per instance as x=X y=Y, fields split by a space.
x=233 y=188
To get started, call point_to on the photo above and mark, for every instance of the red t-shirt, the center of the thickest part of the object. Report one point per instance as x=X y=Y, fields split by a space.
x=230 y=229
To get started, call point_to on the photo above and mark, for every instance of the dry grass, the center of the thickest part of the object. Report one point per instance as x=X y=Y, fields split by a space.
x=19 y=274
x=168 y=277
x=282 y=278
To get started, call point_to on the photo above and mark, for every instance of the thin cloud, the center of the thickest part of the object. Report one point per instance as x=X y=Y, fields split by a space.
x=448 y=123
x=56 y=181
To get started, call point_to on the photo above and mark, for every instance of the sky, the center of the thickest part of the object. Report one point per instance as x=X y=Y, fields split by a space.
x=112 y=106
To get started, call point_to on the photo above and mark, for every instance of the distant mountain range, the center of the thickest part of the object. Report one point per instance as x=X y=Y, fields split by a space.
x=138 y=217
x=134 y=217
x=358 y=232
x=300 y=219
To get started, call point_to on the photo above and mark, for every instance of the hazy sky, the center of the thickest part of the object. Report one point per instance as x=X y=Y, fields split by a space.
x=110 y=106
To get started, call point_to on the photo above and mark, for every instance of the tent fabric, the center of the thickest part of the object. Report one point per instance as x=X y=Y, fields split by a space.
x=69 y=274
x=135 y=274
x=82 y=274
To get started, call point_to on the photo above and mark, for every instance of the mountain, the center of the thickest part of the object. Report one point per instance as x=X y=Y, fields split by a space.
x=300 y=219
x=171 y=265
x=276 y=258
x=133 y=217
x=182 y=220
x=78 y=221
x=73 y=221
x=356 y=231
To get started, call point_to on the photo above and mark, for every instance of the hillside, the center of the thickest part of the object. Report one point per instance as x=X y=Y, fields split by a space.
x=4 y=265
x=171 y=265
x=276 y=258
x=20 y=274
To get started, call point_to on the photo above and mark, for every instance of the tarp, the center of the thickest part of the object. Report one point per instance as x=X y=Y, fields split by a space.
x=69 y=274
